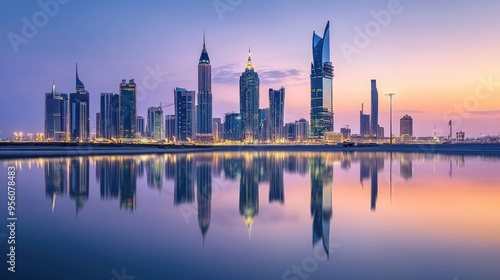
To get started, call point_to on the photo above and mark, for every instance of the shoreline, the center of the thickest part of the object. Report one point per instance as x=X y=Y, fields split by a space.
x=36 y=150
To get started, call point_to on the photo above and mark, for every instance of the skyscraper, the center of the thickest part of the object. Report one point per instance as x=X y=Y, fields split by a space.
x=155 y=129
x=140 y=126
x=79 y=111
x=406 y=126
x=184 y=114
x=277 y=111
x=264 y=124
x=217 y=129
x=302 y=129
x=364 y=122
x=321 y=85
x=374 y=112
x=110 y=115
x=249 y=102
x=128 y=112
x=204 y=108
x=56 y=115
x=232 y=126
x=170 y=127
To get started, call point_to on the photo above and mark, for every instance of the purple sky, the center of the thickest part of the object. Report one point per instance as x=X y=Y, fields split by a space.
x=442 y=58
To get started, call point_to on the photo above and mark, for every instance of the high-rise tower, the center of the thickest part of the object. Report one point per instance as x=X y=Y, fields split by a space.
x=249 y=102
x=204 y=114
x=321 y=85
x=79 y=111
x=128 y=112
x=374 y=112
x=277 y=108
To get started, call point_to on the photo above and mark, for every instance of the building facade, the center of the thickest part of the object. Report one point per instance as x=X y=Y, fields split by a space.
x=56 y=115
x=79 y=112
x=155 y=129
x=406 y=126
x=249 y=102
x=321 y=85
x=170 y=127
x=140 y=125
x=110 y=115
x=232 y=127
x=204 y=108
x=184 y=114
x=277 y=113
x=128 y=111
x=374 y=127
x=364 y=122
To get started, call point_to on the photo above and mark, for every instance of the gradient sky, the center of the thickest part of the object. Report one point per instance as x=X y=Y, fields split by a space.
x=432 y=54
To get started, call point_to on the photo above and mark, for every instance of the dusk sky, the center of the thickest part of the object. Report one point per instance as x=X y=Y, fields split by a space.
x=441 y=58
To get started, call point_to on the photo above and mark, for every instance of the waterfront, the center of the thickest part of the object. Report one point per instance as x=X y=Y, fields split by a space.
x=258 y=215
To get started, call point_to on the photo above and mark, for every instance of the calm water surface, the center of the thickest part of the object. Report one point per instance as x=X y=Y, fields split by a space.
x=266 y=215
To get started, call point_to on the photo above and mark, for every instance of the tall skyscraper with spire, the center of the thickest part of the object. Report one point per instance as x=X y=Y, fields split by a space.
x=249 y=102
x=374 y=113
x=321 y=85
x=204 y=114
x=79 y=111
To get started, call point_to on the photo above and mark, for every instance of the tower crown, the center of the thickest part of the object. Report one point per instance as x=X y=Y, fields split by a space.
x=249 y=65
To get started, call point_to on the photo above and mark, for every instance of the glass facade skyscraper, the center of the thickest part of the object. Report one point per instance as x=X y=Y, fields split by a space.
x=374 y=113
x=277 y=112
x=155 y=128
x=249 y=102
x=110 y=115
x=184 y=114
x=79 y=111
x=128 y=111
x=321 y=85
x=204 y=113
x=56 y=115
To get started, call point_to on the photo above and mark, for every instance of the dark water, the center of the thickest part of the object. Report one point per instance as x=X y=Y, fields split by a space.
x=256 y=216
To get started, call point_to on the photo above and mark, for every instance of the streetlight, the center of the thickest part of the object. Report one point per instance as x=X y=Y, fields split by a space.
x=390 y=96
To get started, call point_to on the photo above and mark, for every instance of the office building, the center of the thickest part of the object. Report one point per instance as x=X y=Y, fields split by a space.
x=170 y=127
x=302 y=130
x=110 y=115
x=128 y=111
x=249 y=102
x=290 y=132
x=98 y=125
x=204 y=107
x=406 y=126
x=277 y=113
x=321 y=85
x=264 y=124
x=374 y=113
x=140 y=126
x=155 y=129
x=346 y=132
x=79 y=112
x=232 y=126
x=184 y=114
x=217 y=130
x=364 y=122
x=56 y=116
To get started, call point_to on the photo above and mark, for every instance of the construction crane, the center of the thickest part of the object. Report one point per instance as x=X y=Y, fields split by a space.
x=165 y=106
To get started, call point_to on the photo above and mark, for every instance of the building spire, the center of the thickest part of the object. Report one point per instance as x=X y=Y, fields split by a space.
x=79 y=84
x=249 y=62
x=53 y=88
x=204 y=59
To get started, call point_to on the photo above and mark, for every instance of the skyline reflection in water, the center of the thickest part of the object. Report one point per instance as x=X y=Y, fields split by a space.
x=273 y=190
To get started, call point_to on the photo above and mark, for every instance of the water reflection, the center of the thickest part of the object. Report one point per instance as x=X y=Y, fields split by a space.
x=118 y=175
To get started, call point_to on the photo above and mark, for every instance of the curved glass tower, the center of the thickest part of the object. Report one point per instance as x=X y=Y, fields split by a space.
x=321 y=85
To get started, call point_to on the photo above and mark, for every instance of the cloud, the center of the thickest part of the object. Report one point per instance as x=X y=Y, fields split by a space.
x=230 y=74
x=485 y=113
x=227 y=74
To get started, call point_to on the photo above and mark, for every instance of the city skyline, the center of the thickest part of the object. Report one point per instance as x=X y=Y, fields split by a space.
x=388 y=53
